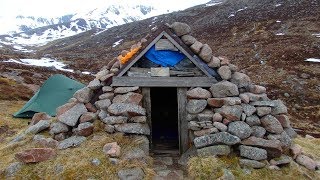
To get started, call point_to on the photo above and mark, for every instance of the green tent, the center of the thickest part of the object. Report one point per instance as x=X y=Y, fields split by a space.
x=55 y=91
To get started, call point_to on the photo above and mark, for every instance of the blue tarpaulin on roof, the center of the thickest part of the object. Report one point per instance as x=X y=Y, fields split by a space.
x=164 y=58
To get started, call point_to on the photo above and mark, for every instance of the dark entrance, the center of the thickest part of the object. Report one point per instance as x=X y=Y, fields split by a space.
x=164 y=117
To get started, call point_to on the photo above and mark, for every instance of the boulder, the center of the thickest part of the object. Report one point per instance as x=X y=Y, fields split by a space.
x=246 y=97
x=88 y=117
x=60 y=137
x=188 y=40
x=135 y=153
x=253 y=120
x=12 y=169
x=232 y=113
x=71 y=116
x=224 y=72
x=239 y=129
x=109 y=128
x=224 y=89
x=219 y=102
x=40 y=126
x=196 y=106
x=90 y=107
x=180 y=29
x=271 y=124
x=216 y=117
x=306 y=162
x=72 y=141
x=165 y=44
x=291 y=132
x=83 y=95
x=240 y=79
x=215 y=139
x=112 y=149
x=107 y=89
x=273 y=147
x=283 y=138
x=139 y=119
x=279 y=108
x=214 y=62
x=263 y=103
x=256 y=89
x=102 y=114
x=35 y=155
x=204 y=117
x=258 y=131
x=131 y=174
x=198 y=93
x=224 y=60
x=94 y=84
x=248 y=109
x=111 y=120
x=194 y=126
x=107 y=95
x=295 y=150
x=84 y=129
x=109 y=76
x=205 y=132
x=214 y=150
x=284 y=120
x=103 y=72
x=262 y=111
x=220 y=126
x=133 y=128
x=103 y=104
x=45 y=142
x=58 y=127
x=206 y=53
x=126 y=109
x=133 y=98
x=253 y=153
x=124 y=90
x=196 y=47
x=282 y=160
x=251 y=163
x=40 y=116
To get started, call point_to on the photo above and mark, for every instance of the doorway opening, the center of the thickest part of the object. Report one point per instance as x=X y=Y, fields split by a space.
x=164 y=117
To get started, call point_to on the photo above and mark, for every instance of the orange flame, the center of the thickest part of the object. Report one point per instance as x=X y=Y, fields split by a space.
x=128 y=56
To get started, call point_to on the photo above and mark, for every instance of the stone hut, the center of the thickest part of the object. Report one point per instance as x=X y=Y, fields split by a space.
x=171 y=89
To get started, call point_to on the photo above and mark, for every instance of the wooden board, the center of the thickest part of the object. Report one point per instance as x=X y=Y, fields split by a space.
x=146 y=103
x=163 y=81
x=182 y=120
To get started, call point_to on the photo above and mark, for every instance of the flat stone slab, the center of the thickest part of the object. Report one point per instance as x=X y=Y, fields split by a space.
x=214 y=139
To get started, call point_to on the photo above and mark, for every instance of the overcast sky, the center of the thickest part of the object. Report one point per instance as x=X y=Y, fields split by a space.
x=52 y=8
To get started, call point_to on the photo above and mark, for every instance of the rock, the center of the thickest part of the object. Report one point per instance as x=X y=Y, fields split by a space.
x=106 y=95
x=233 y=68
x=194 y=126
x=109 y=76
x=94 y=84
x=71 y=116
x=72 y=141
x=165 y=44
x=295 y=150
x=243 y=117
x=214 y=62
x=60 y=137
x=126 y=109
x=214 y=150
x=253 y=97
x=196 y=47
x=102 y=73
x=35 y=155
x=124 y=90
x=272 y=167
x=215 y=139
x=271 y=124
x=95 y=162
x=240 y=79
x=205 y=132
x=88 y=117
x=133 y=128
x=109 y=128
x=263 y=103
x=256 y=89
x=103 y=114
x=284 y=120
x=253 y=153
x=180 y=29
x=224 y=60
x=283 y=138
x=227 y=175
x=224 y=89
x=282 y=160
x=279 y=108
x=111 y=120
x=40 y=126
x=273 y=147
x=90 y=107
x=224 y=72
x=291 y=132
x=258 y=131
x=84 y=129
x=206 y=53
x=133 y=98
x=135 y=153
x=220 y=126
x=287 y=95
x=306 y=162
x=248 y=109
x=38 y=117
x=198 y=93
x=196 y=106
x=232 y=113
x=184 y=158
x=107 y=89
x=114 y=161
x=217 y=117
x=139 y=119
x=72 y=100
x=188 y=40
x=12 y=169
x=240 y=129
x=164 y=160
x=83 y=95
x=143 y=143
x=262 y=111
x=103 y=104
x=45 y=142
x=309 y=137
x=219 y=102
x=244 y=98
x=131 y=174
x=253 y=120
x=112 y=149
x=204 y=117
x=251 y=163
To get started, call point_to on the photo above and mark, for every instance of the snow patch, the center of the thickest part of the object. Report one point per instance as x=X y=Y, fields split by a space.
x=316 y=35
x=117 y=43
x=86 y=72
x=22 y=49
x=280 y=34
x=231 y=15
x=213 y=4
x=312 y=60
x=43 y=62
x=277 y=5
x=278 y=21
x=242 y=9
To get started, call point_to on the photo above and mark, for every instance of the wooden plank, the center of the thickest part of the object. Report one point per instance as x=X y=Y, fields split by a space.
x=182 y=120
x=128 y=66
x=146 y=103
x=164 y=81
